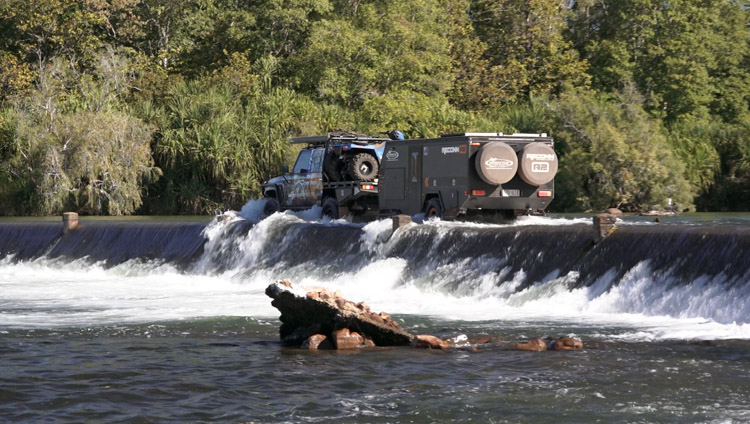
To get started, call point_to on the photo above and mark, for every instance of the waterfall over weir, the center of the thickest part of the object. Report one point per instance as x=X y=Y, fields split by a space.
x=539 y=268
x=111 y=242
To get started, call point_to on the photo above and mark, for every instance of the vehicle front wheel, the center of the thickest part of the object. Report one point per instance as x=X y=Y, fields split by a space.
x=271 y=206
x=330 y=208
x=433 y=209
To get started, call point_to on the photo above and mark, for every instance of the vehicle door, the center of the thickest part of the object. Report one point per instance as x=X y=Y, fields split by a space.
x=314 y=177
x=295 y=187
x=414 y=182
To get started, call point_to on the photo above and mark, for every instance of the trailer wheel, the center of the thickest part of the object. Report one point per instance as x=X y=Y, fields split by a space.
x=330 y=208
x=271 y=206
x=363 y=167
x=433 y=209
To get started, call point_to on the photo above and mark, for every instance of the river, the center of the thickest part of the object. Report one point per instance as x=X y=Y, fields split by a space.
x=141 y=321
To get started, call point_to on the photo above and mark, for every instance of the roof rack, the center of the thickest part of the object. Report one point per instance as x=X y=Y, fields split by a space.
x=338 y=136
x=499 y=134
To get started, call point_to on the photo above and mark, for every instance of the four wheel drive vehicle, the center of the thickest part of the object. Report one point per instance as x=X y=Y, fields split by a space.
x=348 y=156
x=337 y=171
x=468 y=174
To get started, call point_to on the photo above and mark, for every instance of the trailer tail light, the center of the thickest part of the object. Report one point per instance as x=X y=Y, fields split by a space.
x=544 y=193
x=476 y=144
x=478 y=193
x=368 y=187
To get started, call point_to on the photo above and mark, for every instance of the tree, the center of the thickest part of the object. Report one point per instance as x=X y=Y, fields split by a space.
x=686 y=57
x=474 y=86
x=68 y=146
x=217 y=143
x=370 y=48
x=691 y=61
x=526 y=47
x=418 y=115
x=16 y=77
x=612 y=154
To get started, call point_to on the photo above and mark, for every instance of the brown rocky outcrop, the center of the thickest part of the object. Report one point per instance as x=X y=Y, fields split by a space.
x=567 y=343
x=424 y=341
x=305 y=313
x=317 y=342
x=345 y=339
x=317 y=319
x=534 y=345
x=481 y=341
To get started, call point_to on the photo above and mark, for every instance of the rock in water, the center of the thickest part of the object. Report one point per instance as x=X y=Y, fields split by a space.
x=534 y=345
x=346 y=339
x=567 y=343
x=317 y=342
x=425 y=341
x=306 y=313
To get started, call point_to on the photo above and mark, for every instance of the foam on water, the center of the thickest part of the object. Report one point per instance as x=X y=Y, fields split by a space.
x=49 y=294
x=230 y=278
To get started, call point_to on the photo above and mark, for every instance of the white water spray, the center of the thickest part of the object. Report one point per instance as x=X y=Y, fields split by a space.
x=48 y=293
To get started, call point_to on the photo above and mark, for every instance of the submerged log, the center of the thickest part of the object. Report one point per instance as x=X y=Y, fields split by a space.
x=307 y=313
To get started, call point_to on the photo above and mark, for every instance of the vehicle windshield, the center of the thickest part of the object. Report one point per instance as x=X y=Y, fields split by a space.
x=302 y=166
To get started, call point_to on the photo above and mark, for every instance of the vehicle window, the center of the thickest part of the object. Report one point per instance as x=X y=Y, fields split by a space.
x=303 y=162
x=317 y=161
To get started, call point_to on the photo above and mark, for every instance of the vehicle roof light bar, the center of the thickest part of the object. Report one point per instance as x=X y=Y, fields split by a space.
x=349 y=137
x=499 y=134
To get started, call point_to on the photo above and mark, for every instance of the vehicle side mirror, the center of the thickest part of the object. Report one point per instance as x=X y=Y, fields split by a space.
x=284 y=169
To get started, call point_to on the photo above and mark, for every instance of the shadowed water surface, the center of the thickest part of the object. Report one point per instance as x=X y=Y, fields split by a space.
x=231 y=370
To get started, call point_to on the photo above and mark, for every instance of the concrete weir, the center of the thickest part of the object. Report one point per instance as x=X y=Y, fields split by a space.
x=604 y=224
x=530 y=253
x=70 y=221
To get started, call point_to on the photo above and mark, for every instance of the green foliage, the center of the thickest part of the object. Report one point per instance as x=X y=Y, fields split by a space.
x=91 y=89
x=526 y=48
x=66 y=146
x=730 y=188
x=614 y=155
x=15 y=76
x=474 y=85
x=685 y=56
x=217 y=144
x=531 y=117
x=374 y=49
x=694 y=141
x=417 y=115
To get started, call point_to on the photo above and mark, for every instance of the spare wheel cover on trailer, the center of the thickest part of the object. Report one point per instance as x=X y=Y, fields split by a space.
x=537 y=164
x=496 y=163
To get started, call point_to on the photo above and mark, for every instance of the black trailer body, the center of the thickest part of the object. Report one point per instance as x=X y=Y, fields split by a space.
x=467 y=174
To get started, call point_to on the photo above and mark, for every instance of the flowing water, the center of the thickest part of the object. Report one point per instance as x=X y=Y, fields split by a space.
x=168 y=322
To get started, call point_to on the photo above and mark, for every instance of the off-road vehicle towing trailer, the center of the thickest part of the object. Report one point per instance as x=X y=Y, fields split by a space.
x=337 y=171
x=466 y=174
